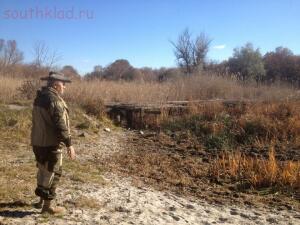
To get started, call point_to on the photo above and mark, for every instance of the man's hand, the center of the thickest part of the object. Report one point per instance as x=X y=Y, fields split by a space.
x=71 y=152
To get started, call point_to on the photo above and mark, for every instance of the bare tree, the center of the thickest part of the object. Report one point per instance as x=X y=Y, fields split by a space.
x=10 y=55
x=200 y=50
x=43 y=57
x=191 y=53
x=2 y=42
x=183 y=51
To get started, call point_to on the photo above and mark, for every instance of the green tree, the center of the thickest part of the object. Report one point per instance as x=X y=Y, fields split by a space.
x=247 y=63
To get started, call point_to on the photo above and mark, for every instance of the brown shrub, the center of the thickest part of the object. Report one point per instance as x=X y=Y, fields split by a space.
x=28 y=89
x=94 y=107
x=272 y=121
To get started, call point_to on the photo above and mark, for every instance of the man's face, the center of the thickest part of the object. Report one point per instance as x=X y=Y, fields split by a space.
x=60 y=87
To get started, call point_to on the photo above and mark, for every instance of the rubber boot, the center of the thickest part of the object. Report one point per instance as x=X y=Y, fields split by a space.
x=51 y=210
x=38 y=205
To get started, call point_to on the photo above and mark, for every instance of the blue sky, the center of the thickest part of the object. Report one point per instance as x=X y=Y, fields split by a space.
x=140 y=30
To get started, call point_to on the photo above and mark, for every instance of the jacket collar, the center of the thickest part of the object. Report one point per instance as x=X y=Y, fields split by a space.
x=51 y=89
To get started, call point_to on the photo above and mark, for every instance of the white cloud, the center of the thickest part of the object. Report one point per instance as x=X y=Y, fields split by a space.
x=219 y=47
x=85 y=60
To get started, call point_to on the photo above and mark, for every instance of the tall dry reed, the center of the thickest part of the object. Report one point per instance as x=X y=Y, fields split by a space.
x=199 y=87
x=257 y=171
x=8 y=89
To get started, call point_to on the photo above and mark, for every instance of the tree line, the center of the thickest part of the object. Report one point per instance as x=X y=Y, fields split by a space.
x=247 y=64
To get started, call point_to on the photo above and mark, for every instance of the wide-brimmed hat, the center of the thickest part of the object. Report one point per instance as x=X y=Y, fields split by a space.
x=56 y=76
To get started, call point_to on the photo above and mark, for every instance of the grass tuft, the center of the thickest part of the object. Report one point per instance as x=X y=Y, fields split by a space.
x=258 y=172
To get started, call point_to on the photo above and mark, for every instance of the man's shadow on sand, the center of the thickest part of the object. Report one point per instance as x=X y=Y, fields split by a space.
x=12 y=209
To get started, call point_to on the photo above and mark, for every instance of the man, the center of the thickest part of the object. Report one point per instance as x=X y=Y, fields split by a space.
x=50 y=131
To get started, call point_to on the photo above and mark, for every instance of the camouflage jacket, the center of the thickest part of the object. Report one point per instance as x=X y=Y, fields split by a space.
x=50 y=119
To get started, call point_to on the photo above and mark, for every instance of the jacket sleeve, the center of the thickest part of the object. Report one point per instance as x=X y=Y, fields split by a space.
x=60 y=124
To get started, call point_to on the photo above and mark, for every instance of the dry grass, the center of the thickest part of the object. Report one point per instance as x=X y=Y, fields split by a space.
x=8 y=87
x=276 y=121
x=87 y=202
x=18 y=172
x=14 y=125
x=257 y=171
x=17 y=165
x=255 y=124
x=186 y=88
x=165 y=171
x=252 y=128
x=84 y=172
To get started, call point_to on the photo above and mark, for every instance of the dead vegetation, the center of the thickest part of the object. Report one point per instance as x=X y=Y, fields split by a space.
x=213 y=143
x=205 y=86
x=87 y=202
x=249 y=124
x=84 y=172
x=8 y=88
x=257 y=172
x=240 y=148
x=17 y=179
